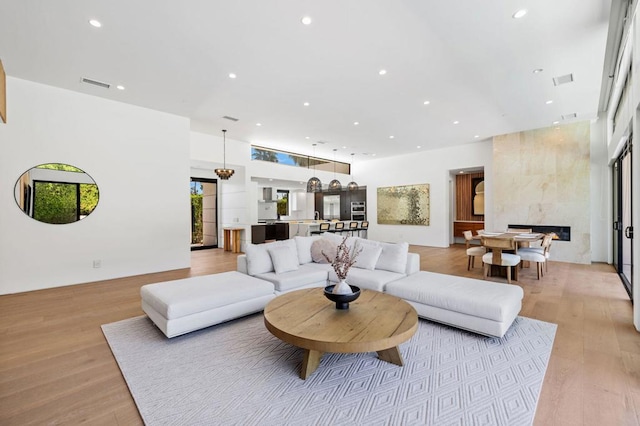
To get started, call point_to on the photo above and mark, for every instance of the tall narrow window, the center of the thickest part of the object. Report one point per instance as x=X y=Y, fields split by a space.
x=204 y=213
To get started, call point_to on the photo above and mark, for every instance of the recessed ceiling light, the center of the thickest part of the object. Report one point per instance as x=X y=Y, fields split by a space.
x=307 y=137
x=556 y=122
x=270 y=179
x=391 y=137
x=427 y=102
x=549 y=102
x=461 y=172
x=520 y=13
x=306 y=104
x=344 y=147
x=355 y=123
x=120 y=87
x=306 y=20
x=95 y=23
x=232 y=75
x=538 y=70
x=373 y=155
x=382 y=72
x=456 y=122
x=476 y=136
x=419 y=146
x=258 y=124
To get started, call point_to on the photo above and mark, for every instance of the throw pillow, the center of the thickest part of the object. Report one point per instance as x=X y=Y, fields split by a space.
x=393 y=257
x=284 y=259
x=368 y=257
x=303 y=246
x=258 y=259
x=323 y=245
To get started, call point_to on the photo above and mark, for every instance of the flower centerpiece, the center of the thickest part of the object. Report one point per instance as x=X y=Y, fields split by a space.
x=341 y=264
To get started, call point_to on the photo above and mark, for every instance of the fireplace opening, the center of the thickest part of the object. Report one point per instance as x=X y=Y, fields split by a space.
x=563 y=233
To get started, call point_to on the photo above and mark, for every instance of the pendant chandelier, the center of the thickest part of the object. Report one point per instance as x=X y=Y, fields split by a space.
x=224 y=173
x=313 y=184
x=335 y=183
x=352 y=186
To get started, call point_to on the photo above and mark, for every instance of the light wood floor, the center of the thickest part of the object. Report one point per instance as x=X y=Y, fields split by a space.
x=56 y=367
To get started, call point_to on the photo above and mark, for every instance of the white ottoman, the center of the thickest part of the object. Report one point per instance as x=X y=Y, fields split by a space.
x=476 y=305
x=181 y=306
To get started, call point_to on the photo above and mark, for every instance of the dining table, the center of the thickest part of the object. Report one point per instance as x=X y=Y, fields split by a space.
x=520 y=237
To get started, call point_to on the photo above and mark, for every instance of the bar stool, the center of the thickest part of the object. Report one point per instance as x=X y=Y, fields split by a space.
x=353 y=227
x=324 y=227
x=338 y=228
x=364 y=225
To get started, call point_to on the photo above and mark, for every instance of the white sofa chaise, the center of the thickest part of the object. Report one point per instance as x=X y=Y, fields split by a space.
x=476 y=305
x=181 y=306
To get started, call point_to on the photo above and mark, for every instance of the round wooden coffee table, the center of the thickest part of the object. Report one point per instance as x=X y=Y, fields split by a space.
x=375 y=322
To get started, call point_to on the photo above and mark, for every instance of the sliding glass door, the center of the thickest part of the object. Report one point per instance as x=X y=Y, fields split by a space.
x=623 y=226
x=204 y=213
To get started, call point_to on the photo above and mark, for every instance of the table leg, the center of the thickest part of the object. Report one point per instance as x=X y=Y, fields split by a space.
x=310 y=363
x=227 y=240
x=236 y=241
x=391 y=355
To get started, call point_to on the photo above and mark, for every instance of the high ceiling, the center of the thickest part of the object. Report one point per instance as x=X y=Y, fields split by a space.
x=471 y=60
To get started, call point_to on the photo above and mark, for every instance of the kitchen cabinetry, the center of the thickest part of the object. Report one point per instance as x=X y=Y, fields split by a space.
x=346 y=198
x=267 y=232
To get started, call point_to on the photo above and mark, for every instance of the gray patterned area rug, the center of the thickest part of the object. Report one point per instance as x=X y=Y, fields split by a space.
x=238 y=373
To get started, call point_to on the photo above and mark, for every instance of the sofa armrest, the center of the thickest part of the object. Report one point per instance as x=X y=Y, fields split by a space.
x=241 y=264
x=413 y=263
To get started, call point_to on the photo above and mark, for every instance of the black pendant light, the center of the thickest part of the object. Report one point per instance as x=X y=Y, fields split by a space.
x=313 y=184
x=352 y=186
x=335 y=184
x=224 y=173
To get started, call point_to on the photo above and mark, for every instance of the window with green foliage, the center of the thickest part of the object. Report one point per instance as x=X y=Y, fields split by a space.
x=58 y=202
x=298 y=160
x=282 y=198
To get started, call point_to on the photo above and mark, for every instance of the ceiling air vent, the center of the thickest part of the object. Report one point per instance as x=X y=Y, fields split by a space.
x=226 y=117
x=96 y=83
x=557 y=81
x=569 y=116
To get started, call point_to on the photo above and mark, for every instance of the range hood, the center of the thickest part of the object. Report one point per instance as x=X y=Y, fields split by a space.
x=267 y=195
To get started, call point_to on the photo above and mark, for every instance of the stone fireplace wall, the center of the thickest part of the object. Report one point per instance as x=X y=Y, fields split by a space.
x=541 y=177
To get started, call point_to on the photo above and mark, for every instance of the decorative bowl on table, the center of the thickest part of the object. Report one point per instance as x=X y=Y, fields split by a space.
x=342 y=300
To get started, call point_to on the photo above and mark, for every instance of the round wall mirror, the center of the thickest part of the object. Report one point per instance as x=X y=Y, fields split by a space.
x=56 y=193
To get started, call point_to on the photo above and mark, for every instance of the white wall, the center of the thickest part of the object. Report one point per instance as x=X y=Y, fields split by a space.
x=601 y=215
x=138 y=157
x=430 y=167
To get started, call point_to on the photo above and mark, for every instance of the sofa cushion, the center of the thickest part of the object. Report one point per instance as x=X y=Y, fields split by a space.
x=323 y=245
x=303 y=276
x=368 y=255
x=284 y=258
x=179 y=298
x=258 y=258
x=303 y=245
x=393 y=257
x=479 y=298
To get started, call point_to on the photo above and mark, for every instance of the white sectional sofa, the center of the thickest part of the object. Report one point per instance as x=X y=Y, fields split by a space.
x=266 y=270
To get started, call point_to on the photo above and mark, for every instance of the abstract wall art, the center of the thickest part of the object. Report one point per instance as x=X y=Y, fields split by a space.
x=404 y=205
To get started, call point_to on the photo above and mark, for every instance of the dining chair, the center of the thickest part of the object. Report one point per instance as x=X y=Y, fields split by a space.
x=496 y=256
x=353 y=227
x=538 y=254
x=324 y=227
x=472 y=252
